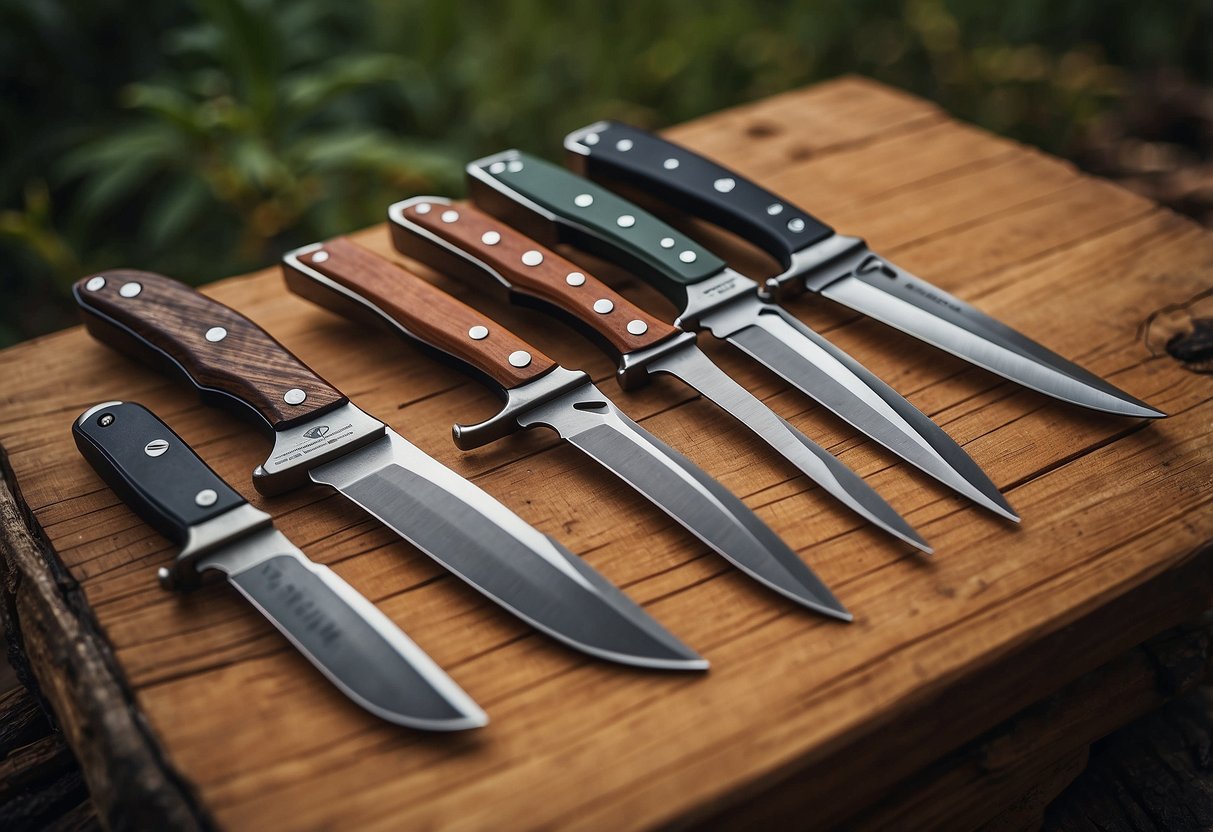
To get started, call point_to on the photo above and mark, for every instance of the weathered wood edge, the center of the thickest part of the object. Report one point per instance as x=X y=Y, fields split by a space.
x=827 y=782
x=61 y=654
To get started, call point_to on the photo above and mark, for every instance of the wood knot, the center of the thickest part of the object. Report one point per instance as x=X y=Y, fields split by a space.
x=762 y=130
x=1184 y=331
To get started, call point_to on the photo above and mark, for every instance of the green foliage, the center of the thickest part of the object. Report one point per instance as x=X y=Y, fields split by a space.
x=203 y=138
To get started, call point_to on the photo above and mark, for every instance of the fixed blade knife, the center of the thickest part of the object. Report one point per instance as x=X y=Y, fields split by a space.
x=815 y=258
x=338 y=630
x=321 y=437
x=555 y=205
x=341 y=275
x=465 y=242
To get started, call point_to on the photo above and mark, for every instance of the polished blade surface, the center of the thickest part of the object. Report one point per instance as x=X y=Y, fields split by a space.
x=498 y=553
x=588 y=420
x=345 y=636
x=918 y=308
x=804 y=359
x=697 y=370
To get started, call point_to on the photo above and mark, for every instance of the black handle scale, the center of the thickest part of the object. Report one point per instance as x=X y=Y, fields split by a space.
x=684 y=179
x=151 y=468
x=592 y=217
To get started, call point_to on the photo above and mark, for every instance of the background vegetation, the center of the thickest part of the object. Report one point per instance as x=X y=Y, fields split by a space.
x=202 y=138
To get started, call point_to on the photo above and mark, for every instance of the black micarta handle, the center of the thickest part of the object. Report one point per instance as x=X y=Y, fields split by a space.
x=590 y=216
x=151 y=468
x=611 y=151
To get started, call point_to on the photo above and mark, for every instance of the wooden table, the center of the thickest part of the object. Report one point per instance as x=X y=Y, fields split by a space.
x=190 y=709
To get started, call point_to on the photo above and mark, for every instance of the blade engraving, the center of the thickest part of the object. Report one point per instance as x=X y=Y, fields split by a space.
x=673 y=483
x=499 y=554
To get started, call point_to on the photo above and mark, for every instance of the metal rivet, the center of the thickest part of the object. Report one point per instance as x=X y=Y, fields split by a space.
x=497 y=167
x=294 y=396
x=583 y=200
x=129 y=290
x=106 y=420
x=423 y=208
x=603 y=306
x=95 y=283
x=667 y=242
x=774 y=209
x=216 y=333
x=637 y=327
x=724 y=185
x=156 y=447
x=626 y=221
x=591 y=138
x=490 y=238
x=670 y=164
x=687 y=256
x=206 y=497
x=575 y=279
x=531 y=258
x=796 y=224
x=478 y=332
x=450 y=216
x=320 y=256
x=514 y=166
x=520 y=358
x=623 y=145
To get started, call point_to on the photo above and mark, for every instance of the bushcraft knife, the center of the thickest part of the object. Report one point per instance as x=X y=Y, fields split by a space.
x=321 y=437
x=555 y=205
x=815 y=258
x=468 y=243
x=345 y=277
x=338 y=630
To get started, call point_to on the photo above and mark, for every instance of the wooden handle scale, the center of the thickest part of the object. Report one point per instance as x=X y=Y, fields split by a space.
x=224 y=354
x=420 y=310
x=430 y=229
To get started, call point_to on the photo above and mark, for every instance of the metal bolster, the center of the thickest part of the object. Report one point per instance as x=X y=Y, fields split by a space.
x=633 y=366
x=710 y=294
x=573 y=141
x=467 y=262
x=518 y=400
x=205 y=538
x=808 y=273
x=299 y=449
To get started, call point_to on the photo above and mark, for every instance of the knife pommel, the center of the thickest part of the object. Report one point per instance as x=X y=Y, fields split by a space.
x=224 y=354
x=433 y=231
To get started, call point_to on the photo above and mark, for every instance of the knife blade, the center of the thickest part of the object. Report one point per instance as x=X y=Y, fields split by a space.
x=482 y=249
x=815 y=258
x=338 y=630
x=321 y=437
x=555 y=205
x=538 y=392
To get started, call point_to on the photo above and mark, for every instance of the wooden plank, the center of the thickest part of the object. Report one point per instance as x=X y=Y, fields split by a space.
x=1114 y=546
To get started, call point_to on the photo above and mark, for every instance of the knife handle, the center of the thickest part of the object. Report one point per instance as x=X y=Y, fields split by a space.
x=151 y=468
x=419 y=309
x=610 y=151
x=591 y=217
x=225 y=355
x=528 y=270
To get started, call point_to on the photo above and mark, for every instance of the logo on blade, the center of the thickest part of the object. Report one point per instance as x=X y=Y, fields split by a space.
x=316 y=432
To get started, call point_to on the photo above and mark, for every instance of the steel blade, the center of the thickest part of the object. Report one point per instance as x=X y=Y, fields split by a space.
x=919 y=309
x=693 y=367
x=587 y=419
x=345 y=636
x=499 y=554
x=772 y=336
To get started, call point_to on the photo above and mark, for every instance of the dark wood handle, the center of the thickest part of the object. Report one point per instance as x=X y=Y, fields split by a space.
x=425 y=312
x=224 y=354
x=532 y=271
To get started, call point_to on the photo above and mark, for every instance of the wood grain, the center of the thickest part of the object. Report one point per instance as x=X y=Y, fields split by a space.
x=558 y=282
x=430 y=315
x=798 y=718
x=221 y=351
